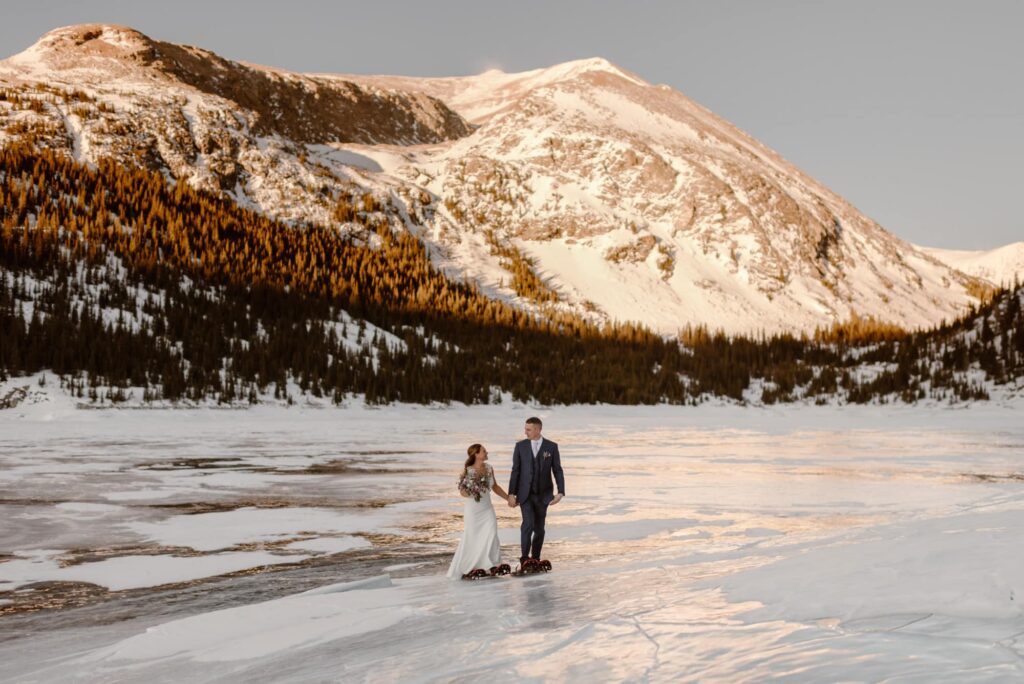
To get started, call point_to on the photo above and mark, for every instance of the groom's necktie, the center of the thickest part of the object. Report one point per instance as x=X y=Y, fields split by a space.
x=535 y=485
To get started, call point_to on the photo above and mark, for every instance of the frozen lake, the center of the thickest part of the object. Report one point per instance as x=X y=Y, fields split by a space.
x=710 y=543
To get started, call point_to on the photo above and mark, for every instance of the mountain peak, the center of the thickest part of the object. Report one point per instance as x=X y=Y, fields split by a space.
x=477 y=98
x=114 y=35
x=81 y=45
x=592 y=64
x=564 y=71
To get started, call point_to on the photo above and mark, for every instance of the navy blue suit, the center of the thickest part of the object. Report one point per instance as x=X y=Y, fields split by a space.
x=534 y=490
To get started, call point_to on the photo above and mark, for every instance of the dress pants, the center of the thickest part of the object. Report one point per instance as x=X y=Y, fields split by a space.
x=534 y=512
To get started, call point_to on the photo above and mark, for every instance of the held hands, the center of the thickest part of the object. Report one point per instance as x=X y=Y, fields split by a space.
x=511 y=498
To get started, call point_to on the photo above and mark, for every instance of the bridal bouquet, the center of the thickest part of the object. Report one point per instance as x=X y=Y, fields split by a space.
x=471 y=485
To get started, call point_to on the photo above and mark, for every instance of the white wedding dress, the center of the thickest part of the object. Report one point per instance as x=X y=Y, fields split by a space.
x=479 y=547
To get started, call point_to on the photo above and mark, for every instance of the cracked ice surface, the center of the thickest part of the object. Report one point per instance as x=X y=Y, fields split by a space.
x=710 y=544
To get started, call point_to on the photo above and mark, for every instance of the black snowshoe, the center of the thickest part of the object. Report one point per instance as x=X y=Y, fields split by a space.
x=532 y=566
x=495 y=571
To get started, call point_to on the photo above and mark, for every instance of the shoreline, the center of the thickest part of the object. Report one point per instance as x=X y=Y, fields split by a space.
x=49 y=402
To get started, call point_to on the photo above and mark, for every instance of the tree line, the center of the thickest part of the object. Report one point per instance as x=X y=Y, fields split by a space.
x=116 y=278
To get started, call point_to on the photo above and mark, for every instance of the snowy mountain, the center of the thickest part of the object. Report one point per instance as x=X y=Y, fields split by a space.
x=580 y=184
x=999 y=266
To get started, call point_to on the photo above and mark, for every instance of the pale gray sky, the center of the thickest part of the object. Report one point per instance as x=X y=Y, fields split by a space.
x=912 y=110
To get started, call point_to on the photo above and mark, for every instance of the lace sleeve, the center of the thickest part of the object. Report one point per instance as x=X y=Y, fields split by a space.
x=490 y=476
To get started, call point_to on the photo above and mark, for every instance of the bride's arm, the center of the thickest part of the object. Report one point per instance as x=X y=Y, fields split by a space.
x=496 y=488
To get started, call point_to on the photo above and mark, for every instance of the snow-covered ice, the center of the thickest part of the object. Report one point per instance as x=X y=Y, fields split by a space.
x=211 y=531
x=712 y=543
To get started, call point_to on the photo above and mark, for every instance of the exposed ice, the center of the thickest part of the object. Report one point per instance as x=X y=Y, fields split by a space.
x=329 y=544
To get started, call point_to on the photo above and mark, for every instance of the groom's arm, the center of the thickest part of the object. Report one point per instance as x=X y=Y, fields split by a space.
x=556 y=468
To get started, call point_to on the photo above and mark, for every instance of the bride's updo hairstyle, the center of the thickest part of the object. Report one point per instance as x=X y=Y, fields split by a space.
x=472 y=451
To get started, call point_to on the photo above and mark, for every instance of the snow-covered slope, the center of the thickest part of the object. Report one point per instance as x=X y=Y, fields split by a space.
x=633 y=202
x=642 y=204
x=1000 y=266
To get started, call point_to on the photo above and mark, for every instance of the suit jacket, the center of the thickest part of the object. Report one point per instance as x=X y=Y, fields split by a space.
x=549 y=462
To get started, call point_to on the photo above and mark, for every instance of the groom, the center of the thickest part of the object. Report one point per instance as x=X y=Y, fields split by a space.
x=534 y=460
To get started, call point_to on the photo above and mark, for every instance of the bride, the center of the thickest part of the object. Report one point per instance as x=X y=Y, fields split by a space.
x=479 y=546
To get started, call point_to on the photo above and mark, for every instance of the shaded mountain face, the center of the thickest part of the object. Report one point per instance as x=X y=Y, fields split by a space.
x=579 y=186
